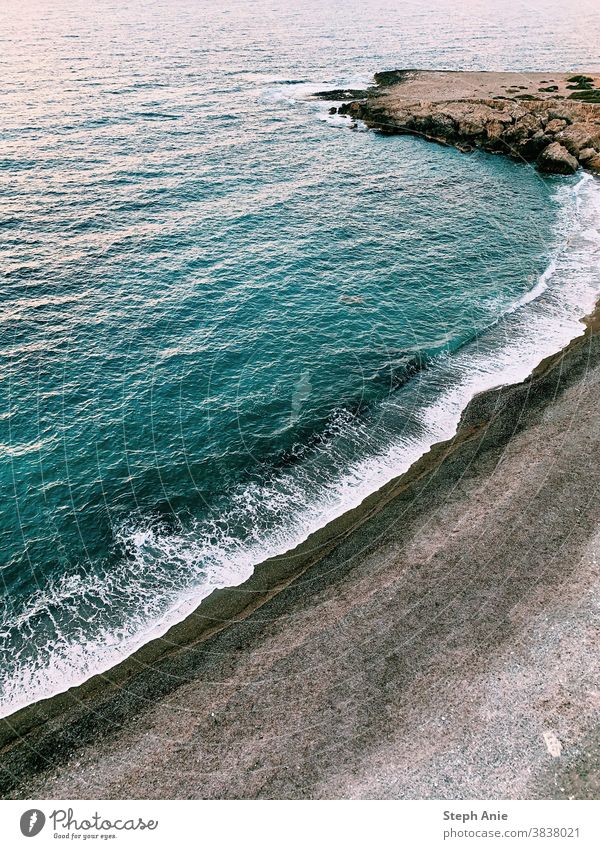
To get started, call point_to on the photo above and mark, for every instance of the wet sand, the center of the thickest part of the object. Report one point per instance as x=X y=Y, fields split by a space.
x=439 y=642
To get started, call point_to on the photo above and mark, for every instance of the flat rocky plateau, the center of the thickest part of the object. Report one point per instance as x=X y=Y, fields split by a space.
x=552 y=119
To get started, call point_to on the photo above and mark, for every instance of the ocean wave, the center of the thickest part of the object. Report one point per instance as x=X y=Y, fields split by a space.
x=291 y=92
x=165 y=572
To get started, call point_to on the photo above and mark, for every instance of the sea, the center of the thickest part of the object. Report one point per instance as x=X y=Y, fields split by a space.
x=226 y=317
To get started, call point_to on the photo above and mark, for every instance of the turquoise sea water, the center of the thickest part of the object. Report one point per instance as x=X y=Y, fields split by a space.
x=226 y=318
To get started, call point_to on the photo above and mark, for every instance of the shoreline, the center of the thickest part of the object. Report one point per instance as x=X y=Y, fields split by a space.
x=385 y=472
x=76 y=715
x=225 y=605
x=551 y=119
x=229 y=608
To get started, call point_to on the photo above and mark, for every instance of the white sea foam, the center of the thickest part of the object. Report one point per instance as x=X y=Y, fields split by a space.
x=287 y=93
x=293 y=92
x=189 y=565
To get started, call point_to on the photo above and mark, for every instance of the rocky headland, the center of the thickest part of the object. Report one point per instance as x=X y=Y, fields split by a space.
x=550 y=119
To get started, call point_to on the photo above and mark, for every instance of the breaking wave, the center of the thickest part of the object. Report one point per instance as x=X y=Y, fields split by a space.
x=96 y=618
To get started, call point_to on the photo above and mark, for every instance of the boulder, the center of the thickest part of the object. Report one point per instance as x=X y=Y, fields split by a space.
x=593 y=164
x=528 y=124
x=523 y=129
x=354 y=108
x=556 y=159
x=531 y=148
x=587 y=153
x=579 y=136
x=555 y=125
x=564 y=112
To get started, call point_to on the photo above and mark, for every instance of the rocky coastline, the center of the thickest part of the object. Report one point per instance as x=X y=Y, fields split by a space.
x=550 y=119
x=438 y=641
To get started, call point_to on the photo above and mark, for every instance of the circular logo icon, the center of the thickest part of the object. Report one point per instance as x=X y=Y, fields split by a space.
x=32 y=822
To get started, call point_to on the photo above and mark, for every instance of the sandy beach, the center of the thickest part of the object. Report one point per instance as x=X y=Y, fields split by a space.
x=444 y=647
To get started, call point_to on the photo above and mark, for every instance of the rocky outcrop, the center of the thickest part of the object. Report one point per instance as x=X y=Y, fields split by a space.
x=544 y=125
x=556 y=159
x=593 y=164
x=342 y=94
x=580 y=136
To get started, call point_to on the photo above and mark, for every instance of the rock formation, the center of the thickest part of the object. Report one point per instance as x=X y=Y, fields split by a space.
x=552 y=120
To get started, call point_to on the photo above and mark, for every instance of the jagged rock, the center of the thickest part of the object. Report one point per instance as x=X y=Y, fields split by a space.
x=560 y=114
x=555 y=125
x=441 y=126
x=433 y=125
x=333 y=110
x=579 y=136
x=556 y=159
x=594 y=164
x=555 y=133
x=531 y=148
x=528 y=124
x=516 y=137
x=387 y=78
x=470 y=127
x=354 y=108
x=494 y=130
